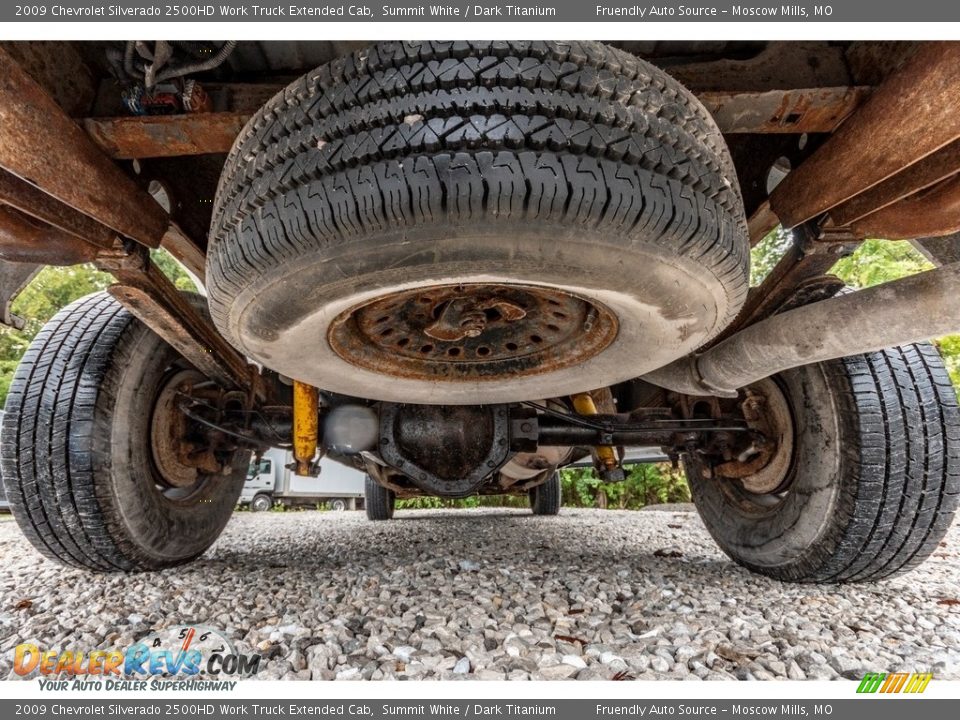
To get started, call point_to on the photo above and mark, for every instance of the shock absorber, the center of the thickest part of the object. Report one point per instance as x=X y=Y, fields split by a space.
x=305 y=425
x=610 y=470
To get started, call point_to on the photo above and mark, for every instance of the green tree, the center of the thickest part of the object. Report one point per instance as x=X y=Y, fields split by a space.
x=950 y=349
x=879 y=261
x=53 y=289
x=173 y=270
x=646 y=484
x=767 y=253
x=649 y=484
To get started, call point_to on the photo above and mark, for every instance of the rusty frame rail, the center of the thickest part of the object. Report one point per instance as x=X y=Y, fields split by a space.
x=25 y=239
x=928 y=213
x=918 y=103
x=41 y=145
x=761 y=222
x=805 y=110
x=147 y=293
x=29 y=199
x=919 y=176
x=183 y=248
x=166 y=135
x=62 y=199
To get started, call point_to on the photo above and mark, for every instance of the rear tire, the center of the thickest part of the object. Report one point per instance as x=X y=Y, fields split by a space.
x=261 y=503
x=338 y=504
x=546 y=499
x=874 y=478
x=379 y=500
x=79 y=463
x=477 y=168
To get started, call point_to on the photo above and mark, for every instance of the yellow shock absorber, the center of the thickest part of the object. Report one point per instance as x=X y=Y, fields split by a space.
x=305 y=425
x=583 y=404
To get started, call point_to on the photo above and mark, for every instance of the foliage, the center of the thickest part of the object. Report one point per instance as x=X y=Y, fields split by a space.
x=474 y=501
x=52 y=289
x=646 y=484
x=7 y=368
x=173 y=270
x=879 y=261
x=44 y=296
x=950 y=349
x=875 y=261
x=767 y=253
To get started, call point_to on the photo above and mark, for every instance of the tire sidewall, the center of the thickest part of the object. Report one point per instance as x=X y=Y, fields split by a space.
x=679 y=304
x=792 y=539
x=146 y=525
x=546 y=498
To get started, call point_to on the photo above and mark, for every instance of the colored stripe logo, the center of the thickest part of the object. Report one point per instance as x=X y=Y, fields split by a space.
x=913 y=683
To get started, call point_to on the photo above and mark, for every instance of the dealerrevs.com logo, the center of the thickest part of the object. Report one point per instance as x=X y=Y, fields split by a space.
x=175 y=658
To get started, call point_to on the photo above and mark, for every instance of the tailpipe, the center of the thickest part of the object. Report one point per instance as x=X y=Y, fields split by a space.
x=915 y=308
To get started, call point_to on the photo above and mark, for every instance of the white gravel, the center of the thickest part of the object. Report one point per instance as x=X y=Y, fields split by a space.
x=494 y=594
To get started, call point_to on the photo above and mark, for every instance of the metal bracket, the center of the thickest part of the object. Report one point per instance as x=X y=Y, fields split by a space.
x=147 y=293
x=13 y=278
x=815 y=249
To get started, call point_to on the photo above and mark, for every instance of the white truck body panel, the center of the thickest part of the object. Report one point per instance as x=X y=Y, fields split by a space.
x=275 y=479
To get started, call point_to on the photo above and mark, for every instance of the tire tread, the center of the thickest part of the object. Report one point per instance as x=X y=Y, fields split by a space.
x=49 y=405
x=546 y=498
x=404 y=134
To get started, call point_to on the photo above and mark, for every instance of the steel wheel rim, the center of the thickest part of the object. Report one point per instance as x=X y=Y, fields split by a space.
x=472 y=332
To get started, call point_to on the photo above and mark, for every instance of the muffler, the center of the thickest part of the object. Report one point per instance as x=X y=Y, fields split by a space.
x=915 y=308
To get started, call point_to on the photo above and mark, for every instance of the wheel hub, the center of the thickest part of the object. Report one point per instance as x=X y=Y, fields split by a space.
x=472 y=332
x=183 y=452
x=765 y=469
x=168 y=428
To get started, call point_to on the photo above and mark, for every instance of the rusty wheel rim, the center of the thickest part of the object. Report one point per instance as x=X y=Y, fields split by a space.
x=472 y=332
x=168 y=428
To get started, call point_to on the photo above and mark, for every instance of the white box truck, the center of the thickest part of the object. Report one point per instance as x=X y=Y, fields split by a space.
x=271 y=482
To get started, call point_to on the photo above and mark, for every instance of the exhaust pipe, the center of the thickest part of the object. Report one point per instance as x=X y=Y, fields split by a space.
x=900 y=312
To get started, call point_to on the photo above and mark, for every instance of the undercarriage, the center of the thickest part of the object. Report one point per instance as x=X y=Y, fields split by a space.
x=459 y=267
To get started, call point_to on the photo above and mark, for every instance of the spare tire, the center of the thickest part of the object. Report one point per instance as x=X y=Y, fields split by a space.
x=479 y=221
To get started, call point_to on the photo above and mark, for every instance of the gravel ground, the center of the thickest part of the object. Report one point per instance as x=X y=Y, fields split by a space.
x=494 y=594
